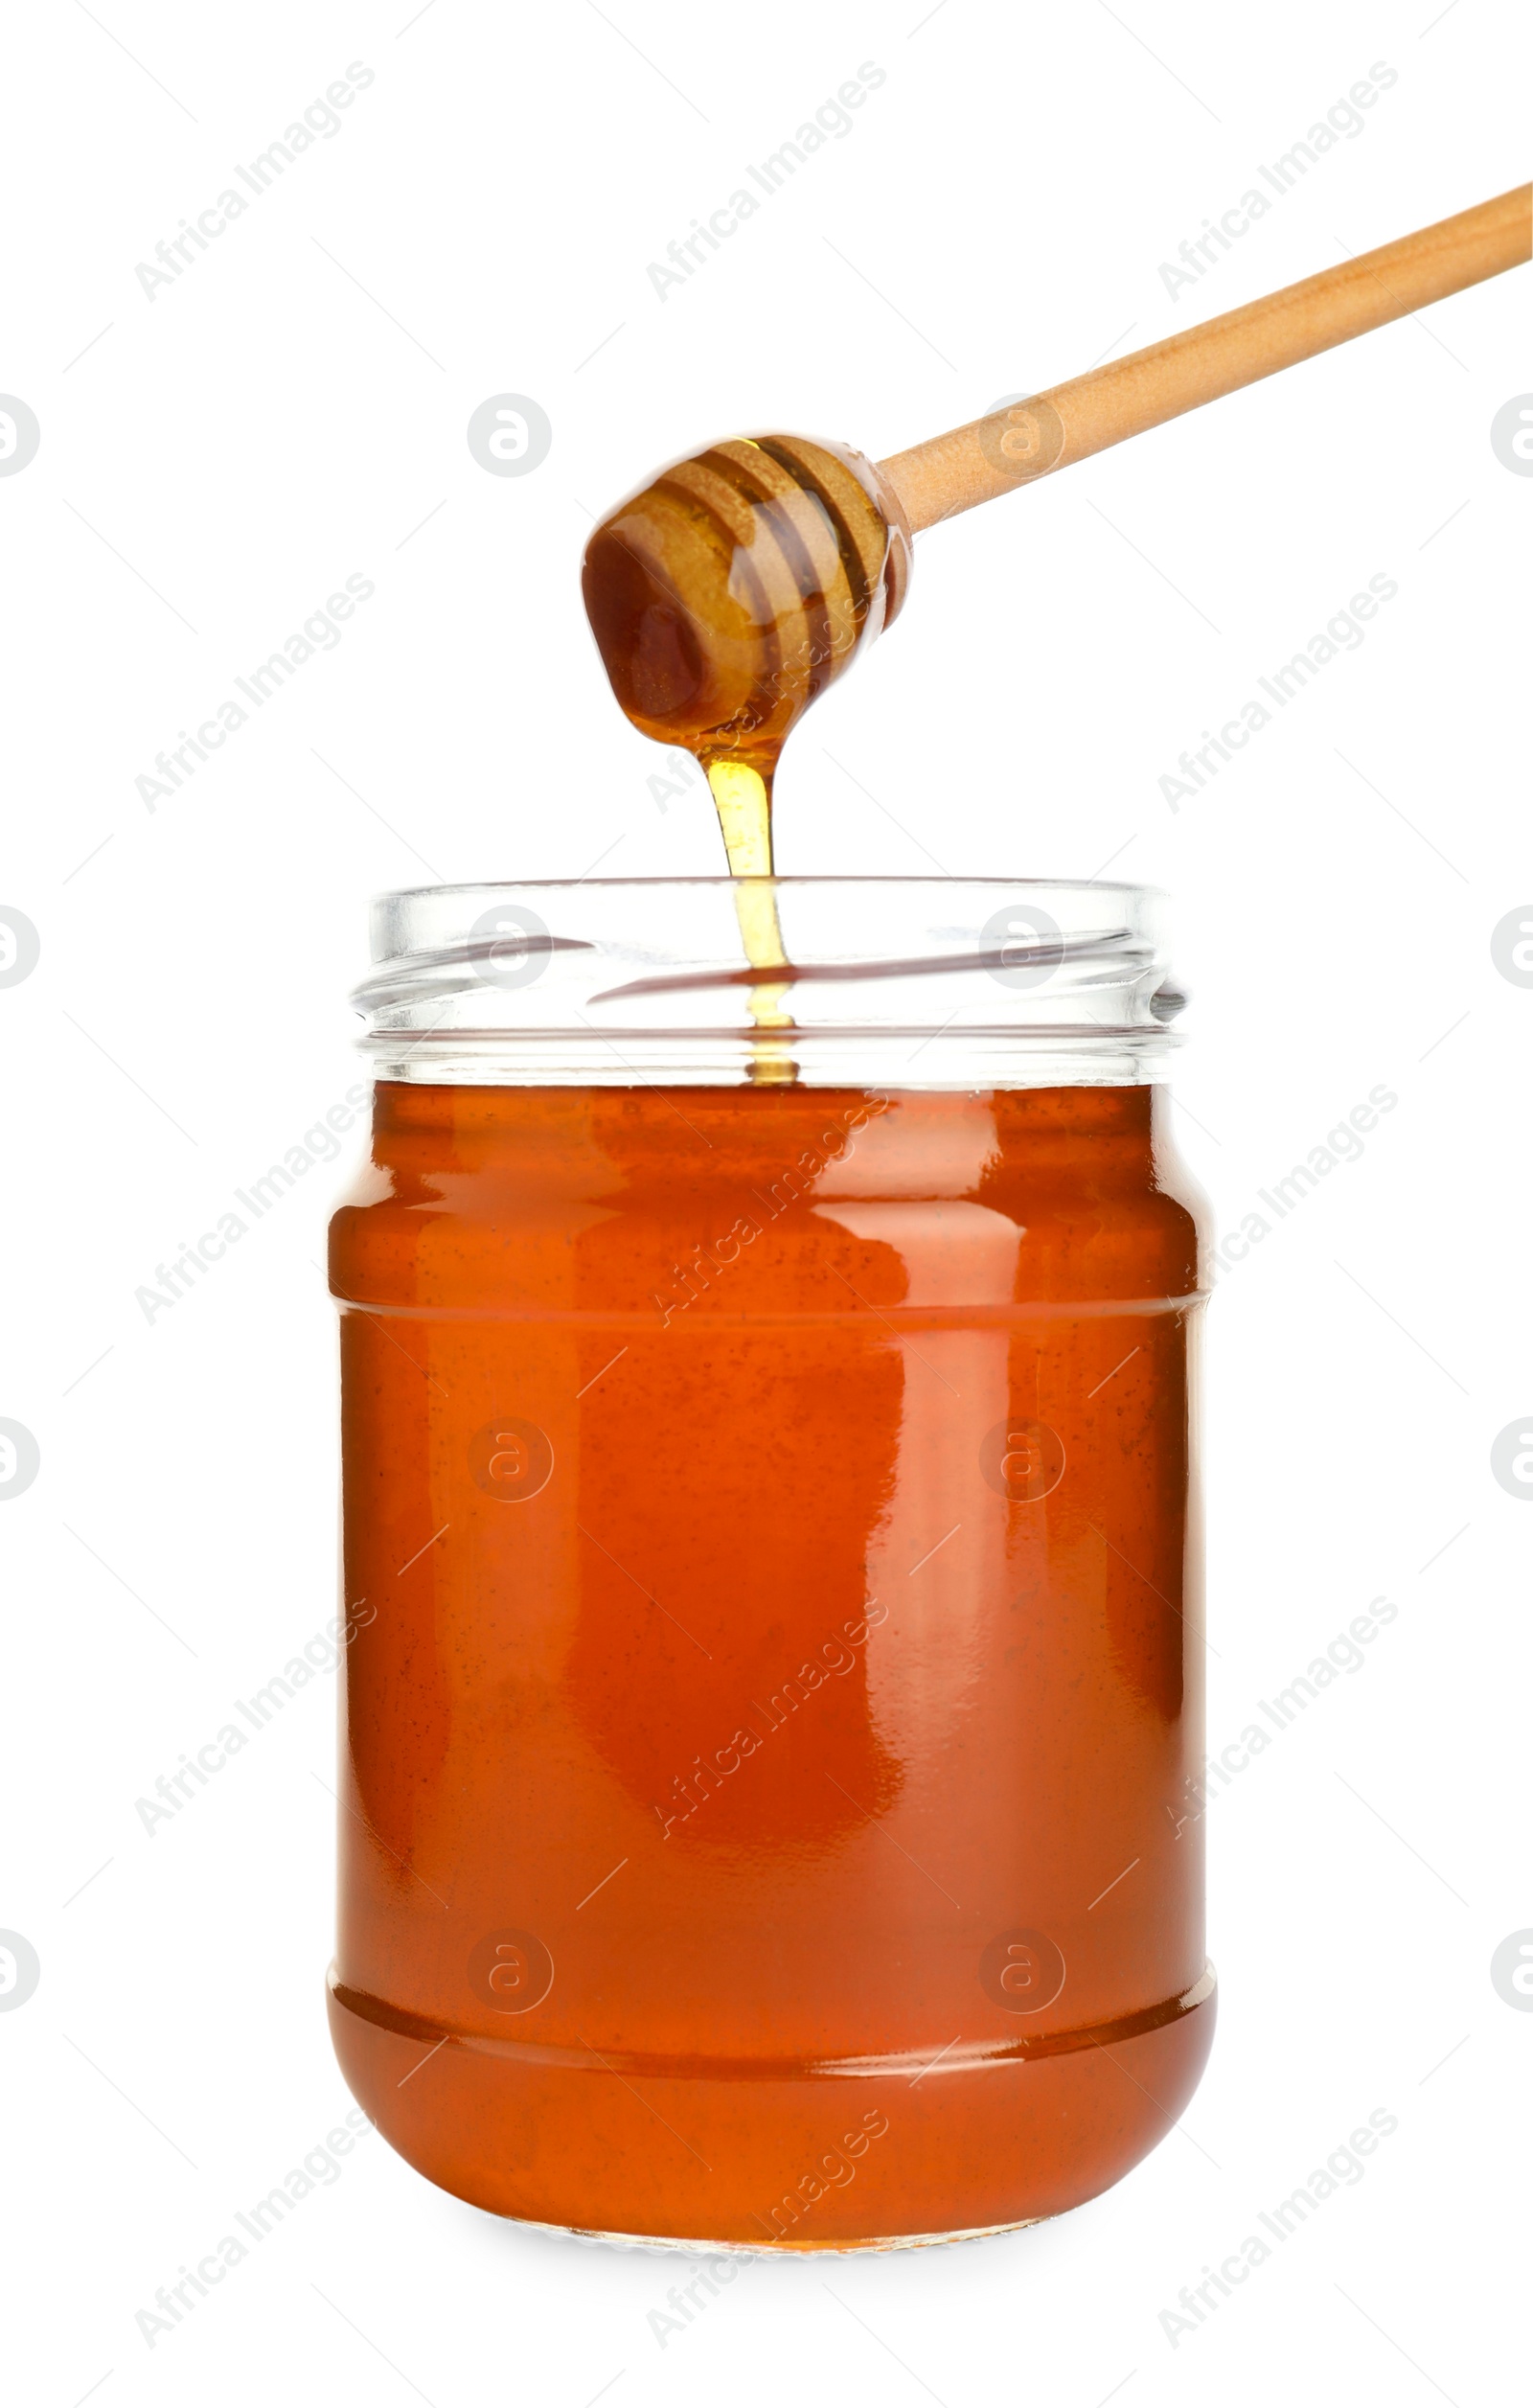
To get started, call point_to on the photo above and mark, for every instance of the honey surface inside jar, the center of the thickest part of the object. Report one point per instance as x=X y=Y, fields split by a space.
x=732 y=590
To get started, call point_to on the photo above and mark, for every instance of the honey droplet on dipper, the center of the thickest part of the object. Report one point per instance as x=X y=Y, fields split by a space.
x=723 y=597
x=730 y=592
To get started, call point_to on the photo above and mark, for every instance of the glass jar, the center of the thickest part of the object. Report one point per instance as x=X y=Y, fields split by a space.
x=771 y=1559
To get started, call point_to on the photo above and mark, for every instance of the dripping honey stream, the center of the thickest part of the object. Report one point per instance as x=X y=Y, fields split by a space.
x=725 y=597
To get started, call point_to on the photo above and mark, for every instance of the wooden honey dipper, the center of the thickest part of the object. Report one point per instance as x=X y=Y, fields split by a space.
x=730 y=592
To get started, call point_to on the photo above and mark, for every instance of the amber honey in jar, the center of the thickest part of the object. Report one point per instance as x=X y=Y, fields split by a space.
x=762 y=1815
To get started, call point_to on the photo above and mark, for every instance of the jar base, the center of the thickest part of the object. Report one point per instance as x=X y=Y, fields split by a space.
x=674 y=2245
x=787 y=2161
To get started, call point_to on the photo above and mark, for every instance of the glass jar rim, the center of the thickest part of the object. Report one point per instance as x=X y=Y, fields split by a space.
x=840 y=980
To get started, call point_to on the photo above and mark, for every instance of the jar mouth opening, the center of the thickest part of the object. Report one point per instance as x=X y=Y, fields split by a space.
x=722 y=882
x=843 y=980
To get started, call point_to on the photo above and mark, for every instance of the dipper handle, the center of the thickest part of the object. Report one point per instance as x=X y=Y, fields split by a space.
x=992 y=455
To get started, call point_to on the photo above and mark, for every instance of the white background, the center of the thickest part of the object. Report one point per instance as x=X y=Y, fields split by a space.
x=213 y=462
